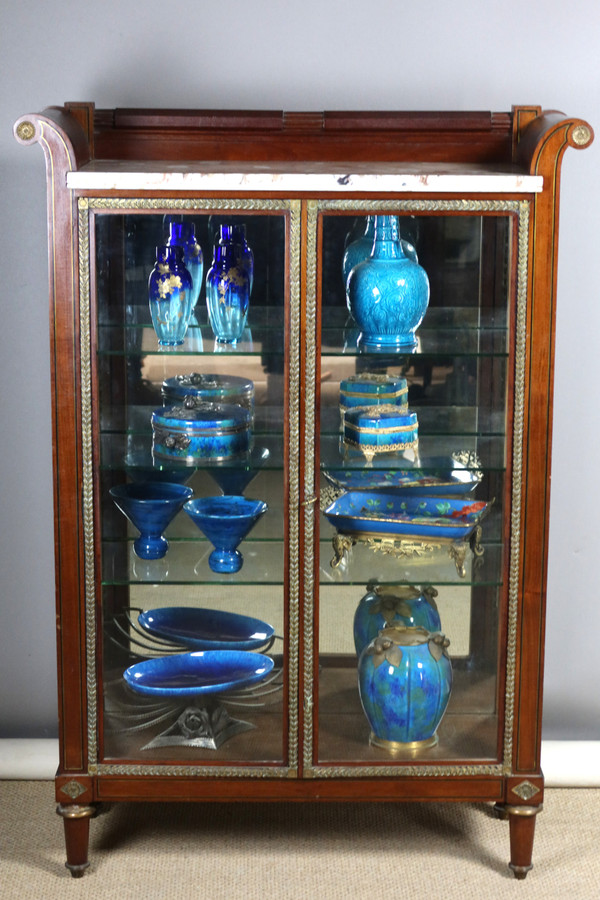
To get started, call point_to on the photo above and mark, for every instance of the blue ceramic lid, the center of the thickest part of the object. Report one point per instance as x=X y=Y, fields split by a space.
x=374 y=385
x=208 y=386
x=379 y=417
x=202 y=415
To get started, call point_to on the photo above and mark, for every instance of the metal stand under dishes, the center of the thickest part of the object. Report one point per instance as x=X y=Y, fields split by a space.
x=404 y=681
x=170 y=292
x=388 y=293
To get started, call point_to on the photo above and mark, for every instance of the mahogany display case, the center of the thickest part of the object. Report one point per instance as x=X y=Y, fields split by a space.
x=477 y=195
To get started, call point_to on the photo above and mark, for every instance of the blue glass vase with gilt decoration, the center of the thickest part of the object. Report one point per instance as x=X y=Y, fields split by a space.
x=170 y=292
x=182 y=234
x=388 y=293
x=228 y=285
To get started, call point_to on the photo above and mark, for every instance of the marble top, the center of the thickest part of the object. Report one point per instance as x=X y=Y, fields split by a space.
x=301 y=177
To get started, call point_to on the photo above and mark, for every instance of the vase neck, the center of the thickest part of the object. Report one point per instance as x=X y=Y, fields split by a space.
x=235 y=234
x=386 y=242
x=181 y=233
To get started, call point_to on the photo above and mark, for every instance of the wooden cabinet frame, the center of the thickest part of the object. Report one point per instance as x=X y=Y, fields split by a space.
x=98 y=159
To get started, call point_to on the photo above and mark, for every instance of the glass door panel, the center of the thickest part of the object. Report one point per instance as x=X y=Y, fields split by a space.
x=194 y=656
x=389 y=554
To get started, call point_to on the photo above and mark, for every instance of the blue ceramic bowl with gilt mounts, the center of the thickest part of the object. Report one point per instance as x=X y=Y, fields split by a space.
x=380 y=429
x=225 y=521
x=200 y=672
x=378 y=514
x=372 y=389
x=198 y=628
x=386 y=606
x=150 y=507
x=404 y=681
x=203 y=431
x=208 y=387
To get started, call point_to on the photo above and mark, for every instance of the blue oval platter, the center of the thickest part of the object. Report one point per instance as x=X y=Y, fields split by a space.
x=391 y=515
x=206 y=629
x=200 y=672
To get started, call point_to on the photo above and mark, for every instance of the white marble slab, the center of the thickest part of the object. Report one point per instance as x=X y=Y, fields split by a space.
x=297 y=178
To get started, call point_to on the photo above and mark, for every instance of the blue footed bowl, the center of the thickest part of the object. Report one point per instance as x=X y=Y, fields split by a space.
x=200 y=672
x=150 y=507
x=405 y=680
x=225 y=521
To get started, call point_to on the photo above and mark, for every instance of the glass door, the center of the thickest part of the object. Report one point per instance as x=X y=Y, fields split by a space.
x=188 y=462
x=416 y=428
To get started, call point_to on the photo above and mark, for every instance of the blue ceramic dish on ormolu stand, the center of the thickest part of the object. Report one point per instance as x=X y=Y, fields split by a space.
x=150 y=507
x=225 y=521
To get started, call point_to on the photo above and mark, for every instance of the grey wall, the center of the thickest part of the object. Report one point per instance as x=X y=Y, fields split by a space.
x=318 y=54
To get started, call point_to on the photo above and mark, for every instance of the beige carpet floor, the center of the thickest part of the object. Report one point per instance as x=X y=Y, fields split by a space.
x=293 y=851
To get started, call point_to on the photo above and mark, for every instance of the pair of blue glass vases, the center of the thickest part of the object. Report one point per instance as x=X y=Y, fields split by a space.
x=175 y=284
x=387 y=291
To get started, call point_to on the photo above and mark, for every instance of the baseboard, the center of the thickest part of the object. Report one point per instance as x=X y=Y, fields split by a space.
x=565 y=763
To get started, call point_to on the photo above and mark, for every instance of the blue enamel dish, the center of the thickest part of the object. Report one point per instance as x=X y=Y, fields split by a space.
x=389 y=515
x=437 y=476
x=200 y=672
x=206 y=629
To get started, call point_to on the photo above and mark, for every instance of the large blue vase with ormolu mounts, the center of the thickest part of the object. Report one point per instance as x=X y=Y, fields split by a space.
x=360 y=249
x=182 y=234
x=404 y=681
x=228 y=285
x=386 y=606
x=388 y=293
x=170 y=291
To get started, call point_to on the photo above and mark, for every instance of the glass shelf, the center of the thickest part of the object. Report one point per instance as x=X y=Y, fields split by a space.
x=122 y=452
x=490 y=451
x=268 y=420
x=186 y=562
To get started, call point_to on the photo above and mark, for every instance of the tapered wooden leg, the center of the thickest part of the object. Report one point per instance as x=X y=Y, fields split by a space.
x=522 y=828
x=76 y=820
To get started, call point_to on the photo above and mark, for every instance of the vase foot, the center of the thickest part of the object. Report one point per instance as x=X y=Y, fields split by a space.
x=401 y=747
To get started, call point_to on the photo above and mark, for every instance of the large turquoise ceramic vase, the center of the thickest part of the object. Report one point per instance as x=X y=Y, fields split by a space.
x=170 y=291
x=404 y=680
x=182 y=234
x=228 y=289
x=387 y=606
x=360 y=249
x=388 y=293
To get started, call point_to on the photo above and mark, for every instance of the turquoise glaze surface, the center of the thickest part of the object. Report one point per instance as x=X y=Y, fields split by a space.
x=150 y=507
x=203 y=431
x=388 y=293
x=225 y=521
x=385 y=607
x=200 y=672
x=209 y=387
x=373 y=390
x=405 y=680
x=361 y=249
x=380 y=426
